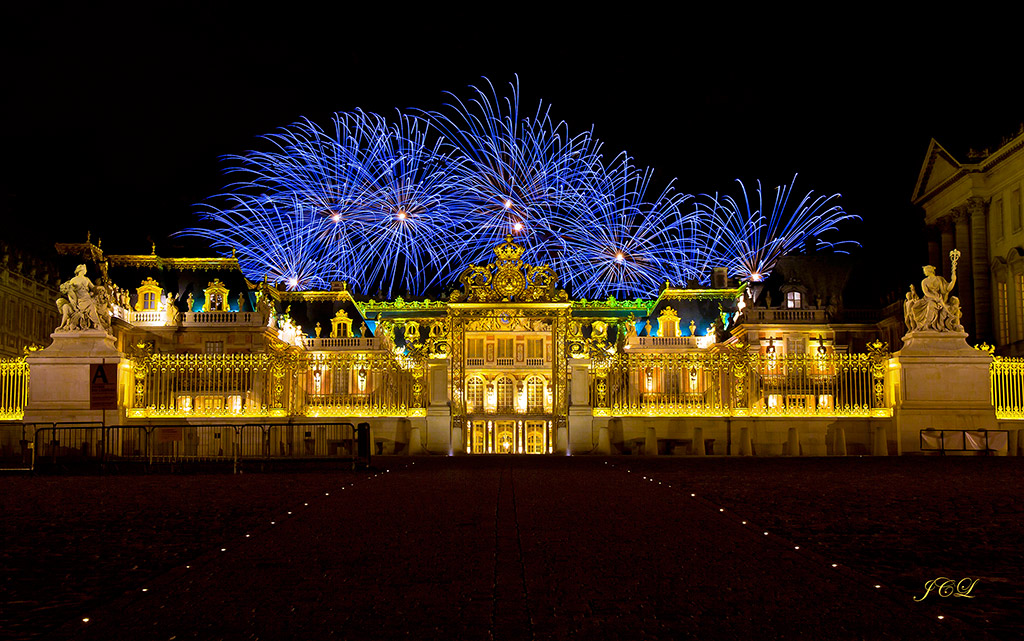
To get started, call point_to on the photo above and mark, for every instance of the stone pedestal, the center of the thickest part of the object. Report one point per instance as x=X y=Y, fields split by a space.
x=441 y=438
x=604 y=444
x=581 y=429
x=562 y=440
x=839 y=441
x=743 y=446
x=60 y=385
x=938 y=381
x=415 y=442
x=650 y=441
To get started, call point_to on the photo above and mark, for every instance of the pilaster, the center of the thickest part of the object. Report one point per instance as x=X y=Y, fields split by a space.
x=977 y=208
x=965 y=280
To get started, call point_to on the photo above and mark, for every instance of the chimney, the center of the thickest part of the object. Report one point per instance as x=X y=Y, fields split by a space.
x=719 y=278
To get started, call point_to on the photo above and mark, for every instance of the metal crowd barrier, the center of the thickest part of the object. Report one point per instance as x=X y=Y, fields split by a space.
x=985 y=441
x=168 y=443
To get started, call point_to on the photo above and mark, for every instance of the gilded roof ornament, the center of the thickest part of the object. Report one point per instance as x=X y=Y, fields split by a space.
x=509 y=279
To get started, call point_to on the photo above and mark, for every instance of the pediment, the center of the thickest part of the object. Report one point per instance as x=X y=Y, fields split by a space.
x=939 y=167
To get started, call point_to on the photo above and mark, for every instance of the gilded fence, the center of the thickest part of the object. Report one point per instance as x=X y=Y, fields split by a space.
x=1007 y=382
x=13 y=388
x=738 y=382
x=362 y=384
x=282 y=383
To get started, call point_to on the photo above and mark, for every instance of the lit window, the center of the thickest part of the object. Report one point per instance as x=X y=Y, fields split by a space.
x=535 y=394
x=475 y=394
x=506 y=390
x=794 y=300
x=214 y=347
x=1020 y=307
x=796 y=346
x=1004 y=314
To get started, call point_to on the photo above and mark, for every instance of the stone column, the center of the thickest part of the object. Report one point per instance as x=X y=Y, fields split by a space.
x=934 y=248
x=698 y=442
x=964 y=280
x=946 y=238
x=977 y=208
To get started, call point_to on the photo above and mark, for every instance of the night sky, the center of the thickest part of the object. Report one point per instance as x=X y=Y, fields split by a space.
x=115 y=119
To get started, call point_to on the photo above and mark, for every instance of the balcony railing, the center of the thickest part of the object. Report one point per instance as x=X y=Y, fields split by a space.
x=349 y=342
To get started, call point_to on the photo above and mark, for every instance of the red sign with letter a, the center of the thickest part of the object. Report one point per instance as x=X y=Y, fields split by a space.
x=102 y=386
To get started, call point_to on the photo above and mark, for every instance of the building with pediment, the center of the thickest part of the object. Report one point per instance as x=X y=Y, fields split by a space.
x=973 y=204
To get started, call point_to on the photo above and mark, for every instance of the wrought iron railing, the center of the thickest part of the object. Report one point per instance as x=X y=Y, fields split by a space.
x=738 y=382
x=1007 y=382
x=283 y=383
x=13 y=388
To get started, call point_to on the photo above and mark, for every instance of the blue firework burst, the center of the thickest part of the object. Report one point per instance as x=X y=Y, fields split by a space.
x=749 y=239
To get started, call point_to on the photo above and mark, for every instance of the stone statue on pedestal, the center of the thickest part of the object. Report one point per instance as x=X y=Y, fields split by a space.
x=81 y=304
x=936 y=311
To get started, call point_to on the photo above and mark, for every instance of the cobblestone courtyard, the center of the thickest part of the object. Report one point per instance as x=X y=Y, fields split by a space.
x=516 y=548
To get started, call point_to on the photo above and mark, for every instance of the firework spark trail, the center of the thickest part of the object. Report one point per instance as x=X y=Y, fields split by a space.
x=300 y=263
x=742 y=236
x=519 y=171
x=622 y=244
x=405 y=205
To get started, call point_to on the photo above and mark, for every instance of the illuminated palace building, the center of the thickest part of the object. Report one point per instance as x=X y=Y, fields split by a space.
x=506 y=363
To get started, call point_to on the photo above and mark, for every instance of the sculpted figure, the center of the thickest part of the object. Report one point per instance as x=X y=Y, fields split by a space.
x=66 y=313
x=172 y=313
x=101 y=300
x=935 y=311
x=78 y=306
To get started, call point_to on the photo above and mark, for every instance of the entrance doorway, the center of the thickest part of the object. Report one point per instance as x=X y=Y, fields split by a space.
x=509 y=436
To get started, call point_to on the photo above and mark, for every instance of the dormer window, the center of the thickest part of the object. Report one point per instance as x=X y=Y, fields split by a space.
x=149 y=294
x=794 y=300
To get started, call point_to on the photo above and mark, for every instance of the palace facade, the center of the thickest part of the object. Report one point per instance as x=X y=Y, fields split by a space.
x=506 y=363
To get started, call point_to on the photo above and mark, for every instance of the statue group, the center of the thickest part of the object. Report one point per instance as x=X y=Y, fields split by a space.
x=935 y=310
x=83 y=305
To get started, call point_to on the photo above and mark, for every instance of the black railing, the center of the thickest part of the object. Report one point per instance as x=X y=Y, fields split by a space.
x=181 y=443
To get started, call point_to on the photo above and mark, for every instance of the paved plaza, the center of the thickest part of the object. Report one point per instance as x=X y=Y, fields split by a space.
x=506 y=548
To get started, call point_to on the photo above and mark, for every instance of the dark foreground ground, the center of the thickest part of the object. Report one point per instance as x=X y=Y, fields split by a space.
x=518 y=548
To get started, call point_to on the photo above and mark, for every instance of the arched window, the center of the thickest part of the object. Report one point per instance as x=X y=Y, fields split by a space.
x=475 y=394
x=794 y=300
x=535 y=394
x=506 y=390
